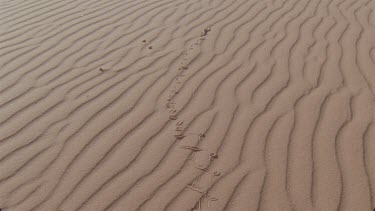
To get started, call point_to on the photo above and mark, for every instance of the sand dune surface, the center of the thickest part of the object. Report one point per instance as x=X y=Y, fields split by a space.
x=187 y=105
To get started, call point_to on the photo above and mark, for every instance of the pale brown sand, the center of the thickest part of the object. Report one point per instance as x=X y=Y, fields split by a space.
x=126 y=105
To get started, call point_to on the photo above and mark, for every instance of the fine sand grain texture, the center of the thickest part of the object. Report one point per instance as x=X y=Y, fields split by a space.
x=180 y=105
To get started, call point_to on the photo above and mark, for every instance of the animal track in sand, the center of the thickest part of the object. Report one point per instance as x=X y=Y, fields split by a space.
x=179 y=80
x=194 y=186
x=205 y=31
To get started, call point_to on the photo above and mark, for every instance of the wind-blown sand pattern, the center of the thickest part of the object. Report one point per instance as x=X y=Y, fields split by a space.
x=187 y=105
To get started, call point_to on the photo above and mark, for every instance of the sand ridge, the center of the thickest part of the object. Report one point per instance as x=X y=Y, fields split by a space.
x=187 y=105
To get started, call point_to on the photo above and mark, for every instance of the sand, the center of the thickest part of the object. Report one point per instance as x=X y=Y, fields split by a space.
x=187 y=105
